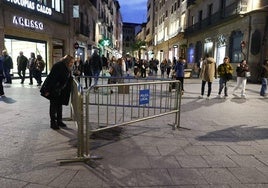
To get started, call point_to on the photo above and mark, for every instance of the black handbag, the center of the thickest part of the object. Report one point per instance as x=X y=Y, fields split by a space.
x=228 y=76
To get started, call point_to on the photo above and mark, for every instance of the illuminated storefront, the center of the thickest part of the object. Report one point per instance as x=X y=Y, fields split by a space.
x=35 y=26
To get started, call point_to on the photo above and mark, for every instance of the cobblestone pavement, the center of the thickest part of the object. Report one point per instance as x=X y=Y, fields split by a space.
x=221 y=143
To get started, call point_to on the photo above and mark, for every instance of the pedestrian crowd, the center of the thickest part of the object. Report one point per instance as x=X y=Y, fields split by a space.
x=209 y=71
x=36 y=66
x=57 y=85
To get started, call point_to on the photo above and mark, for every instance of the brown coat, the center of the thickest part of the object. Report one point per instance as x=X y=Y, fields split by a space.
x=208 y=70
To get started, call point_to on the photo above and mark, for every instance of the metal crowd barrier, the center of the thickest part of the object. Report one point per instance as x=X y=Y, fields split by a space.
x=113 y=105
x=77 y=115
x=106 y=106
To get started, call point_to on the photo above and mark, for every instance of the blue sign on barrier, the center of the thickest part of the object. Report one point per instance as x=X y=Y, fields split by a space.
x=144 y=96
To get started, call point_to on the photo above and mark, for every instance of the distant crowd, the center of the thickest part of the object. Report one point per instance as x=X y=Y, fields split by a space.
x=115 y=68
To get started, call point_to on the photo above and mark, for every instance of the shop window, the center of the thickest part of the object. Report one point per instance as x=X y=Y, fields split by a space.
x=58 y=5
x=190 y=57
x=15 y=45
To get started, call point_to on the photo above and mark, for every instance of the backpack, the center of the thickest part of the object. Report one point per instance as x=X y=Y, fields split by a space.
x=40 y=65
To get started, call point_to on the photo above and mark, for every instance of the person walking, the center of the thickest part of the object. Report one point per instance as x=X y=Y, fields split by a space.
x=179 y=69
x=264 y=76
x=163 y=67
x=208 y=73
x=22 y=63
x=2 y=93
x=7 y=66
x=104 y=63
x=144 y=66
x=39 y=66
x=30 y=66
x=78 y=68
x=137 y=68
x=57 y=88
x=88 y=72
x=169 y=66
x=241 y=70
x=225 y=72
x=96 y=66
x=116 y=71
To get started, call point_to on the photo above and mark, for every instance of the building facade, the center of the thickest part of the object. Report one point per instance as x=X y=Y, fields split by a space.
x=58 y=27
x=130 y=31
x=166 y=21
x=109 y=28
x=191 y=28
x=234 y=28
x=36 y=26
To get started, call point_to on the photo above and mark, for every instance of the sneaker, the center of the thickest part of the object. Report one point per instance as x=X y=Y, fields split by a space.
x=208 y=98
x=225 y=96
x=218 y=96
x=201 y=97
x=243 y=96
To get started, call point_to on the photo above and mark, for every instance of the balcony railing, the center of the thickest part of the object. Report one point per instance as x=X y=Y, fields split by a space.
x=217 y=18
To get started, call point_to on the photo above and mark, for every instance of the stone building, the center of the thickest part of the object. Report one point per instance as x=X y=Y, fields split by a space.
x=191 y=28
x=234 y=28
x=166 y=21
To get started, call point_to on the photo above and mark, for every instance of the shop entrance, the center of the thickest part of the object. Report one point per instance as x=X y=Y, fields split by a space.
x=14 y=45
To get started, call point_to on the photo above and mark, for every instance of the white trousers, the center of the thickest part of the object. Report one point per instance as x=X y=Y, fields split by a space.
x=241 y=81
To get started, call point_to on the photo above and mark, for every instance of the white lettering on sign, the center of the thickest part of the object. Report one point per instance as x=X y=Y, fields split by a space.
x=25 y=22
x=43 y=9
x=23 y=3
x=31 y=5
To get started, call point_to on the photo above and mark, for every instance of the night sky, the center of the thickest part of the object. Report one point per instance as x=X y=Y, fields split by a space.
x=133 y=11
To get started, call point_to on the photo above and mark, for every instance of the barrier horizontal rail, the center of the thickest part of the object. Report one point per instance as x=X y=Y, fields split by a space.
x=113 y=105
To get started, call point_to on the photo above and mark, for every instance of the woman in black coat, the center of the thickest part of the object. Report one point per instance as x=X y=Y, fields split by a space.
x=57 y=88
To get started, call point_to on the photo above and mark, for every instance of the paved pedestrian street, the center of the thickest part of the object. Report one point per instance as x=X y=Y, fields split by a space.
x=222 y=143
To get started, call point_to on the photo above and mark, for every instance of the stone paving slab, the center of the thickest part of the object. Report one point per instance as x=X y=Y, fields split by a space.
x=225 y=145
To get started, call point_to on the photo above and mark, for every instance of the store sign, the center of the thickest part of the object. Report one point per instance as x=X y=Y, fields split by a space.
x=31 y=5
x=25 y=22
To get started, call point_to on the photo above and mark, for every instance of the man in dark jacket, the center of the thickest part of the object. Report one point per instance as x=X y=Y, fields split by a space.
x=179 y=69
x=2 y=94
x=57 y=88
x=88 y=72
x=22 y=63
x=7 y=65
x=96 y=66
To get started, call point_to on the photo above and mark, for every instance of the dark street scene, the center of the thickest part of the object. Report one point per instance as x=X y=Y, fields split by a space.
x=133 y=94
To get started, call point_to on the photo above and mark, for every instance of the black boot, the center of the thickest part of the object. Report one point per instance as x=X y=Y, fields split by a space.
x=61 y=124
x=54 y=125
